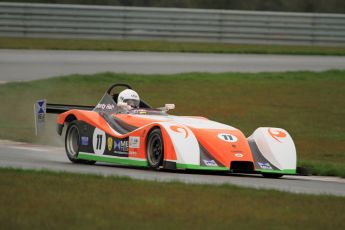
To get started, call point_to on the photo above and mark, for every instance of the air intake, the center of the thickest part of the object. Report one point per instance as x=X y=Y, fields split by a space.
x=242 y=166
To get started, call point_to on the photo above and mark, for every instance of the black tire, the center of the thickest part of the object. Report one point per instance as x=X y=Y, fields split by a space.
x=272 y=175
x=155 y=149
x=72 y=142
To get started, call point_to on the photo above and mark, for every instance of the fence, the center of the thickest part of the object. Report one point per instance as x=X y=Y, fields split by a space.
x=225 y=26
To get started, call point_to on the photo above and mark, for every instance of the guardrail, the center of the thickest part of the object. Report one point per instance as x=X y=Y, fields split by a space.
x=226 y=26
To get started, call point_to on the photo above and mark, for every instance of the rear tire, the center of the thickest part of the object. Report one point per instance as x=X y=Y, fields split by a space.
x=272 y=175
x=155 y=149
x=72 y=143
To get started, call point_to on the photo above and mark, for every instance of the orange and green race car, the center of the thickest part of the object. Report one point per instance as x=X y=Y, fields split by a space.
x=148 y=137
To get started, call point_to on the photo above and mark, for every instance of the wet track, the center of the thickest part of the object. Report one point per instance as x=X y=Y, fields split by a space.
x=28 y=156
x=26 y=65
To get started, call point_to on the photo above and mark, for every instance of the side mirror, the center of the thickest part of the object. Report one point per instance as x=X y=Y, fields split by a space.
x=169 y=107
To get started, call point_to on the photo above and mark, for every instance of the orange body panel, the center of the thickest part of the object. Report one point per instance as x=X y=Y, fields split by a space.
x=224 y=151
x=96 y=120
x=91 y=117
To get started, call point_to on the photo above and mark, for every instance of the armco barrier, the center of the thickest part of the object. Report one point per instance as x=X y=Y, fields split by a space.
x=226 y=26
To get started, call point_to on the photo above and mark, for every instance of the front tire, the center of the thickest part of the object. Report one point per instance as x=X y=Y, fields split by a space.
x=72 y=143
x=155 y=149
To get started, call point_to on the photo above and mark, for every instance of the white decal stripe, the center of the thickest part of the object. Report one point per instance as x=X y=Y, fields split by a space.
x=185 y=143
x=30 y=148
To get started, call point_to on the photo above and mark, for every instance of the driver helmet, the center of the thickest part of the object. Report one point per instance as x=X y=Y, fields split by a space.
x=130 y=97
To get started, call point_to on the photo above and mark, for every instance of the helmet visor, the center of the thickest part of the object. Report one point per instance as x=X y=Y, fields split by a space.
x=133 y=103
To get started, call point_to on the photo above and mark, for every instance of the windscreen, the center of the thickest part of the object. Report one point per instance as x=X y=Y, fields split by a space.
x=107 y=105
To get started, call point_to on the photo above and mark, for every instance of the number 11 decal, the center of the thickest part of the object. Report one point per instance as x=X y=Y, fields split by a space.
x=227 y=137
x=98 y=141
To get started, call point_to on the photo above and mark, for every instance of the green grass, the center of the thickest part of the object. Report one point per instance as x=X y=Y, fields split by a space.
x=310 y=105
x=324 y=168
x=46 y=200
x=164 y=46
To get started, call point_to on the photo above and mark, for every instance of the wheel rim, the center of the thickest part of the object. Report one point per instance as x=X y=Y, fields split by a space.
x=73 y=142
x=155 y=148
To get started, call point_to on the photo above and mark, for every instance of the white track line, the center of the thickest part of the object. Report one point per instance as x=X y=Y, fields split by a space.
x=41 y=148
x=318 y=178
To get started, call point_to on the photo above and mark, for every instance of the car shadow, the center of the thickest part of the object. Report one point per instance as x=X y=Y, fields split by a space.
x=191 y=172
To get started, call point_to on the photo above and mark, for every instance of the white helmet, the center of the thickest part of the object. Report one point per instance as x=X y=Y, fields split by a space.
x=130 y=97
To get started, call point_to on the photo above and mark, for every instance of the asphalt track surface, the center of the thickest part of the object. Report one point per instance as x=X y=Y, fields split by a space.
x=29 y=156
x=26 y=65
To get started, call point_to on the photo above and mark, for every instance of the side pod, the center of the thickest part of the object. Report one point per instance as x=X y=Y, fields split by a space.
x=273 y=151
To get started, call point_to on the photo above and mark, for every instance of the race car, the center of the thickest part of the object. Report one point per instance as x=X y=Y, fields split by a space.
x=115 y=132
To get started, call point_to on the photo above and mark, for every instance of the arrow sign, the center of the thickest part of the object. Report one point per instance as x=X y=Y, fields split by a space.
x=40 y=115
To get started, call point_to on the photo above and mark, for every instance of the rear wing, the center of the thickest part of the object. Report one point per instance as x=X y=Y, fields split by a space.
x=41 y=108
x=60 y=108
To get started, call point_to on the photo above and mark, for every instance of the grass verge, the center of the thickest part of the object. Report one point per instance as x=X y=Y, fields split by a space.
x=310 y=105
x=164 y=46
x=29 y=200
x=323 y=168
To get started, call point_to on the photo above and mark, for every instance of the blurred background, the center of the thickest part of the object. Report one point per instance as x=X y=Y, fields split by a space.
x=312 y=6
x=246 y=63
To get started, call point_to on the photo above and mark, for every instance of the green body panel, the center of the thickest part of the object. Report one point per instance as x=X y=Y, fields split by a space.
x=116 y=160
x=198 y=167
x=284 y=171
x=143 y=163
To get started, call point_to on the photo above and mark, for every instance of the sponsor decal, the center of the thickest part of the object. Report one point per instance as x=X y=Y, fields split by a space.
x=276 y=134
x=227 y=137
x=210 y=163
x=84 y=140
x=132 y=153
x=110 y=143
x=134 y=142
x=41 y=110
x=40 y=116
x=264 y=165
x=179 y=129
x=105 y=106
x=98 y=141
x=239 y=155
x=121 y=146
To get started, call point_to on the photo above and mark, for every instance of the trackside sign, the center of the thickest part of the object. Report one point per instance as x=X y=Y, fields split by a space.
x=40 y=115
